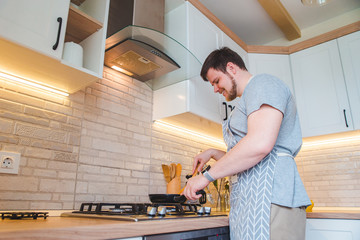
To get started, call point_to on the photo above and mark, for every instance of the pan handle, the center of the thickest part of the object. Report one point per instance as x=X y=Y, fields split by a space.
x=182 y=198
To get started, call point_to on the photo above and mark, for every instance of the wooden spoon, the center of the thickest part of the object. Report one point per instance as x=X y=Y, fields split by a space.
x=166 y=172
x=178 y=170
x=173 y=171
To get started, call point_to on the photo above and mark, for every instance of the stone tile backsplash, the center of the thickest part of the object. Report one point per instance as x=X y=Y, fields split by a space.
x=100 y=144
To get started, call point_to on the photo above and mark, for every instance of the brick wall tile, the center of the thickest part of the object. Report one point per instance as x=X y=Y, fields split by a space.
x=6 y=126
x=12 y=106
x=138 y=190
x=107 y=188
x=46 y=205
x=56 y=185
x=18 y=183
x=65 y=166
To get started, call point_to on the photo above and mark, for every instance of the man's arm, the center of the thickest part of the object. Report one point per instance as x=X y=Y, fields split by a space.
x=263 y=129
x=205 y=156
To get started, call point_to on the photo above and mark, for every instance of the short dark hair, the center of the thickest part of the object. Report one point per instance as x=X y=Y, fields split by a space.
x=218 y=60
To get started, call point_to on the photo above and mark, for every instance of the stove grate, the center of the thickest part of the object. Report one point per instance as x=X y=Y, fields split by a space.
x=21 y=215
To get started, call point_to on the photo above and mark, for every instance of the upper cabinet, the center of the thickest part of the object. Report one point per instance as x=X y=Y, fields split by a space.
x=320 y=90
x=193 y=102
x=349 y=47
x=38 y=25
x=33 y=36
x=274 y=64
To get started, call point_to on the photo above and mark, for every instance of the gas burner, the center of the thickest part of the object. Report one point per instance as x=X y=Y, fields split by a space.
x=21 y=215
x=178 y=208
x=113 y=208
x=142 y=211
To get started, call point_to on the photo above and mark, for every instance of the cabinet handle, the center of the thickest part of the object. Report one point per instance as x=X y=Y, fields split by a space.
x=59 y=19
x=226 y=115
x=346 y=123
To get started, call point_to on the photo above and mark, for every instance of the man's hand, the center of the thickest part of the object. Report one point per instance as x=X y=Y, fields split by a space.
x=193 y=185
x=203 y=157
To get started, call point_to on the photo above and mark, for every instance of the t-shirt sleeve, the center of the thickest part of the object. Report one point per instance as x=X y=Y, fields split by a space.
x=266 y=89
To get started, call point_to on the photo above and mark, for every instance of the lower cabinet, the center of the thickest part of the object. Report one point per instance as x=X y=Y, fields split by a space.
x=332 y=229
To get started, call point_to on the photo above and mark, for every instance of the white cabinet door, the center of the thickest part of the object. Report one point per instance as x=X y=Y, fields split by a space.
x=332 y=229
x=35 y=24
x=274 y=64
x=228 y=42
x=320 y=90
x=204 y=36
x=349 y=46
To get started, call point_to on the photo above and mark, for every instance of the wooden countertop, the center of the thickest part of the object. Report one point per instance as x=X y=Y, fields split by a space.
x=334 y=215
x=91 y=228
x=86 y=228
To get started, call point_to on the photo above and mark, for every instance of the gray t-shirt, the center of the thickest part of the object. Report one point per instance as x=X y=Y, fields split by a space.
x=288 y=189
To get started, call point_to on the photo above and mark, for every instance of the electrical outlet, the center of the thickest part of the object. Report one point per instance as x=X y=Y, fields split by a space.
x=9 y=162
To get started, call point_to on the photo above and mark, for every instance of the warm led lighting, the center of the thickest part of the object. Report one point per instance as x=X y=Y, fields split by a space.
x=31 y=83
x=330 y=141
x=190 y=132
x=122 y=70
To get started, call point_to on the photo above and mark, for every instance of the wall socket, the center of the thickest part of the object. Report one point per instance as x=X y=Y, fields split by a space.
x=9 y=162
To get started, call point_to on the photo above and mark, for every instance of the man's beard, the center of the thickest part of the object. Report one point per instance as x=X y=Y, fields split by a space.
x=233 y=92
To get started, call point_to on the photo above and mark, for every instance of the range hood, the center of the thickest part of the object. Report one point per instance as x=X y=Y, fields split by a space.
x=137 y=46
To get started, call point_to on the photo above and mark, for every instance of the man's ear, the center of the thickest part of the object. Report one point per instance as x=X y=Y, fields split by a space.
x=230 y=68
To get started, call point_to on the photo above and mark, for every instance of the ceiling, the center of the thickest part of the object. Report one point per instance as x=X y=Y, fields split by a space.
x=252 y=24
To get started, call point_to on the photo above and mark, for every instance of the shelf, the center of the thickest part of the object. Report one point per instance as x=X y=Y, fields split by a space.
x=80 y=25
x=189 y=65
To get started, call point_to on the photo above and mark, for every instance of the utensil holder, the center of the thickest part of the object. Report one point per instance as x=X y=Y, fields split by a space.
x=174 y=186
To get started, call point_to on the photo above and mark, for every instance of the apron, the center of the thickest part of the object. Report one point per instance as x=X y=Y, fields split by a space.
x=250 y=196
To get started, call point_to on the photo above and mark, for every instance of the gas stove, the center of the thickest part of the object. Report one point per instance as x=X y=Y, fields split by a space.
x=142 y=211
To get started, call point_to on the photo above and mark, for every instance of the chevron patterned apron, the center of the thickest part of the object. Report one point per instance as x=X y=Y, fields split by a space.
x=250 y=197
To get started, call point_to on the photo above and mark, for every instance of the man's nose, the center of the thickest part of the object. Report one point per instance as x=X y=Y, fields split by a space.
x=216 y=89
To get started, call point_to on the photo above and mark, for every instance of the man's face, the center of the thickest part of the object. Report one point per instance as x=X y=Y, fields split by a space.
x=223 y=83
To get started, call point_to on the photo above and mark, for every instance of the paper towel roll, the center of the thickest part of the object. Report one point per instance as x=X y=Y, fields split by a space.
x=73 y=53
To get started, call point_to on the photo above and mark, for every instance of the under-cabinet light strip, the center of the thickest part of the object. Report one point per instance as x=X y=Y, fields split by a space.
x=122 y=70
x=190 y=132
x=331 y=141
x=32 y=84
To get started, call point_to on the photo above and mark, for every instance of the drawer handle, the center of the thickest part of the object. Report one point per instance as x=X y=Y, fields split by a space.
x=59 y=19
x=226 y=113
x=346 y=123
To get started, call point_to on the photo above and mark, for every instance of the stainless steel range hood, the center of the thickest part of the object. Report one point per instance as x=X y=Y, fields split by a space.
x=137 y=46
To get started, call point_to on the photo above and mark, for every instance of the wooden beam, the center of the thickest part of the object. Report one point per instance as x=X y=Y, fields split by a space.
x=353 y=27
x=282 y=18
x=268 y=49
x=334 y=34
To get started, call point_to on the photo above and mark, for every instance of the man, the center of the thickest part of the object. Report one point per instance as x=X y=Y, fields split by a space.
x=263 y=136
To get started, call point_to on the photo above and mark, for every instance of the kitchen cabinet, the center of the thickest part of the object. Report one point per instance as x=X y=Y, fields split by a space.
x=332 y=229
x=34 y=34
x=39 y=25
x=178 y=105
x=349 y=46
x=320 y=90
x=274 y=64
x=192 y=103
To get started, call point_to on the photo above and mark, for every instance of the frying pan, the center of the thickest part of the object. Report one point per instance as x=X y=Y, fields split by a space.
x=175 y=198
